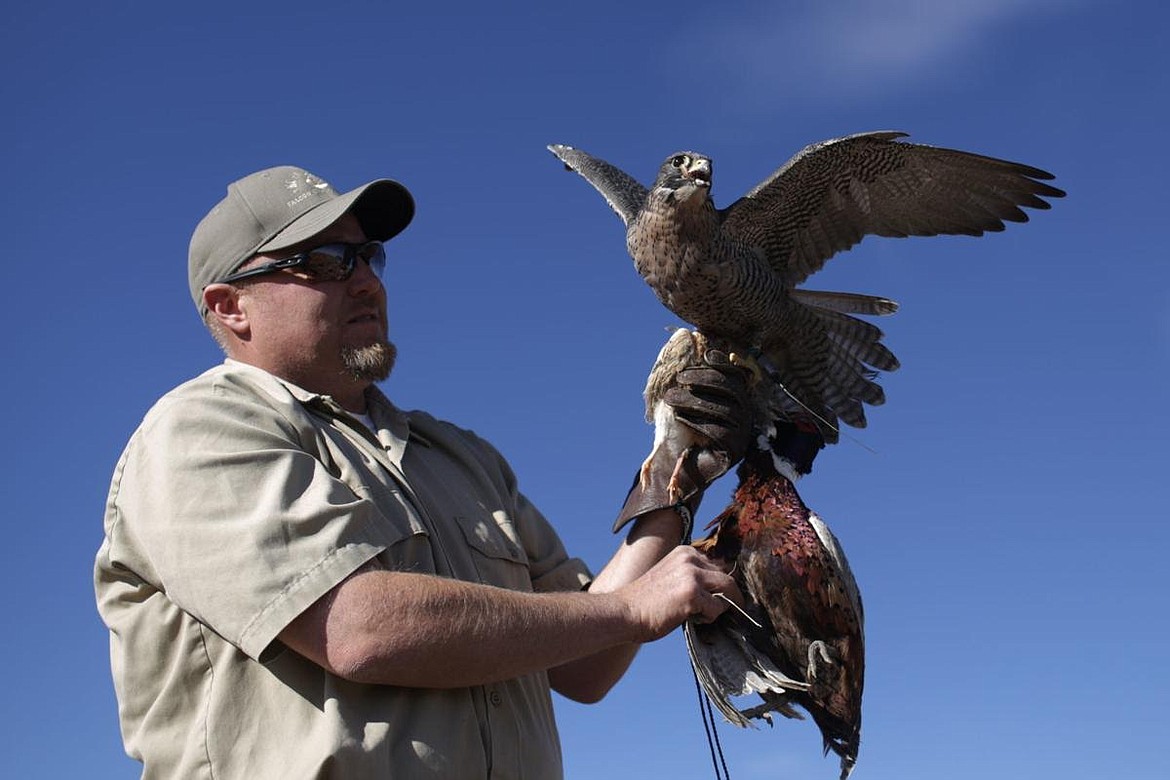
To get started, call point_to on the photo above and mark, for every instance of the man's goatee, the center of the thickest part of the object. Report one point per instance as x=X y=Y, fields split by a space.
x=371 y=363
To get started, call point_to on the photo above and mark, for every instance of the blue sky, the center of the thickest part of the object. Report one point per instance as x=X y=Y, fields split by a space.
x=1005 y=512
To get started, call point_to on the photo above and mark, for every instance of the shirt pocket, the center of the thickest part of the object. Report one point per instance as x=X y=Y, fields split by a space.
x=498 y=557
x=397 y=527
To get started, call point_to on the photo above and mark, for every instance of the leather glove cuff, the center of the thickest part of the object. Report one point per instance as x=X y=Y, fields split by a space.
x=669 y=483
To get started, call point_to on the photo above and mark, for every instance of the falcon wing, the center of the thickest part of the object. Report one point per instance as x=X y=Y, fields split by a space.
x=832 y=194
x=623 y=192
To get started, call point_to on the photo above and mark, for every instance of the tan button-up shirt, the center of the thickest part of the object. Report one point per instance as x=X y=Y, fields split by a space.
x=239 y=501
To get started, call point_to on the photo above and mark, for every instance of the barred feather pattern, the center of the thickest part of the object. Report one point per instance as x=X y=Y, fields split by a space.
x=734 y=273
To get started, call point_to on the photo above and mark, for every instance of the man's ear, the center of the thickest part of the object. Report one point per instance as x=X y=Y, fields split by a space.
x=224 y=304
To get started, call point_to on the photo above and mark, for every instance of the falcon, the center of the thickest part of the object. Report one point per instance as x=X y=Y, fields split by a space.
x=733 y=273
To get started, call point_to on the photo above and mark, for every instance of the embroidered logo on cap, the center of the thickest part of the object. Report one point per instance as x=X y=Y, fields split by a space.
x=304 y=185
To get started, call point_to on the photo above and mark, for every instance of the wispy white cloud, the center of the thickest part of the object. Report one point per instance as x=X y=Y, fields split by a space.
x=853 y=48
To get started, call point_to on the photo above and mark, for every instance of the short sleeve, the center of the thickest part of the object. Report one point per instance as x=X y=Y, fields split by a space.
x=550 y=565
x=221 y=503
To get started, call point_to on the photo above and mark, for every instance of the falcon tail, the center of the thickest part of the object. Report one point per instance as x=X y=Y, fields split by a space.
x=824 y=369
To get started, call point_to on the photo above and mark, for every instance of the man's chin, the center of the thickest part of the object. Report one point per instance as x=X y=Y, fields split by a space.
x=371 y=363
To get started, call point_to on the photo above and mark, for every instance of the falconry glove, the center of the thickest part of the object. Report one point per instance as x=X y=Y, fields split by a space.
x=703 y=424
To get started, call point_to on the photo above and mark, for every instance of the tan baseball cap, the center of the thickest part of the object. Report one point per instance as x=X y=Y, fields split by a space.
x=278 y=207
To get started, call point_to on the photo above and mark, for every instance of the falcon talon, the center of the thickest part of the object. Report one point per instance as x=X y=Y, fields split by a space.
x=749 y=364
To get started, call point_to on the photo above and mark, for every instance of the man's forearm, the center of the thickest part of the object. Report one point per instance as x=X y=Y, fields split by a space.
x=589 y=678
x=419 y=630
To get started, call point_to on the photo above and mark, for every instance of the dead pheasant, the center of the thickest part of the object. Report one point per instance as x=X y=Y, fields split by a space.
x=800 y=640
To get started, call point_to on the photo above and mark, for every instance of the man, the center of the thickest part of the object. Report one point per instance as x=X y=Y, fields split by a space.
x=301 y=580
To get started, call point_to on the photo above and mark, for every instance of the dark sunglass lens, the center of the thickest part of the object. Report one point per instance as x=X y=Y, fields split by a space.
x=328 y=263
x=374 y=254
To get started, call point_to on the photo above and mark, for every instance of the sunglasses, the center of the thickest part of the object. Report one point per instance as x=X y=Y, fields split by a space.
x=329 y=263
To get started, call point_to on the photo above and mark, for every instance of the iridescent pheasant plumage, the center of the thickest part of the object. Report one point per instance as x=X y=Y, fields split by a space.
x=804 y=645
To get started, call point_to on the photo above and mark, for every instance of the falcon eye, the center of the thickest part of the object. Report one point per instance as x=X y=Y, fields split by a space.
x=678 y=160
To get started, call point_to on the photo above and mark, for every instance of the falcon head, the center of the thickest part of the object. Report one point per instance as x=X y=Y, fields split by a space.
x=685 y=174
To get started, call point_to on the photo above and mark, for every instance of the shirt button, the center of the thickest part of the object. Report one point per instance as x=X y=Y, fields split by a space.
x=495 y=698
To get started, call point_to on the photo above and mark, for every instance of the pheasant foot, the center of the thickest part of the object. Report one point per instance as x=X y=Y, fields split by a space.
x=817 y=649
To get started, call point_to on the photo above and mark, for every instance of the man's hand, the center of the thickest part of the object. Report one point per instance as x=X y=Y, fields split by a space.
x=680 y=586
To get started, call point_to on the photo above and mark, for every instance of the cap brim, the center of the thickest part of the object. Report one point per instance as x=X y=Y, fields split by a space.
x=383 y=207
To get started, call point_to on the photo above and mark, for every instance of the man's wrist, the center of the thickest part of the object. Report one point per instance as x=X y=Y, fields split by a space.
x=672 y=524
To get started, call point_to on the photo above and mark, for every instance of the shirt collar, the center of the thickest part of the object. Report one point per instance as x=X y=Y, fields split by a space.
x=393 y=424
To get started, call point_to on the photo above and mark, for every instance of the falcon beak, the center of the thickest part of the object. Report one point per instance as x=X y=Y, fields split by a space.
x=699 y=172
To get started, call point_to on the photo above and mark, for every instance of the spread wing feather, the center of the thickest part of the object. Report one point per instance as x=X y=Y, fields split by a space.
x=625 y=194
x=832 y=194
x=846 y=303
